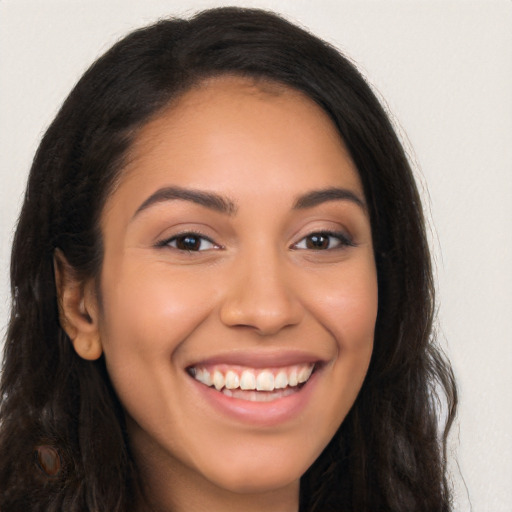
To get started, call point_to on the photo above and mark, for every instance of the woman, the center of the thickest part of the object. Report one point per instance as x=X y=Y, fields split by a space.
x=222 y=289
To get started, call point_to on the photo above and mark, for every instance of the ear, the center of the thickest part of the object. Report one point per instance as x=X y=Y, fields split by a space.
x=78 y=308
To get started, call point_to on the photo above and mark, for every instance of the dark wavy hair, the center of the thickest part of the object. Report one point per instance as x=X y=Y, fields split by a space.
x=63 y=441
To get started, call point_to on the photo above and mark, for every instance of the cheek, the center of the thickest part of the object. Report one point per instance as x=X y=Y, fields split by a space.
x=147 y=312
x=346 y=304
x=347 y=308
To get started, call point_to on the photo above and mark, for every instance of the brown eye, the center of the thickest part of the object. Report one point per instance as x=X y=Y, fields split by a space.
x=324 y=240
x=190 y=242
x=317 y=241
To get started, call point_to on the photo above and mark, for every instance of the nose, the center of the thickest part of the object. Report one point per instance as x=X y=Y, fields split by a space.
x=261 y=296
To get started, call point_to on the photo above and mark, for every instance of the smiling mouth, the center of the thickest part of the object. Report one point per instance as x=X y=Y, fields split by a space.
x=253 y=384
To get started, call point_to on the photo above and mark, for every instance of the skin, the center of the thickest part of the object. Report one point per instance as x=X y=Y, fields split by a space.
x=256 y=287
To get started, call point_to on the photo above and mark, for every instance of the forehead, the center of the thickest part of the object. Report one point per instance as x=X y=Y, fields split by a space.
x=232 y=107
x=239 y=136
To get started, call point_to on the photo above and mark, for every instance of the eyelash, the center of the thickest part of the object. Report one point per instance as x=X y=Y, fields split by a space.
x=168 y=242
x=342 y=238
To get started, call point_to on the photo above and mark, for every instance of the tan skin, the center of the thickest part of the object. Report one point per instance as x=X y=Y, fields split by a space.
x=272 y=272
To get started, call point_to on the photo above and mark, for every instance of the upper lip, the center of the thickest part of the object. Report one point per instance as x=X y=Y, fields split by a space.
x=259 y=359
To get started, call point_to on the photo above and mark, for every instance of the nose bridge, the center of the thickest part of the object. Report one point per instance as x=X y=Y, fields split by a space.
x=261 y=294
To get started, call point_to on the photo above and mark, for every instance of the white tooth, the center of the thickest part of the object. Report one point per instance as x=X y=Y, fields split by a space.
x=265 y=381
x=281 y=380
x=305 y=373
x=218 y=380
x=248 y=380
x=293 y=379
x=207 y=378
x=227 y=392
x=202 y=376
x=232 y=380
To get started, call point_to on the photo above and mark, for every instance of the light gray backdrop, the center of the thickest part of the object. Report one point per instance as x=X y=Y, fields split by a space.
x=445 y=70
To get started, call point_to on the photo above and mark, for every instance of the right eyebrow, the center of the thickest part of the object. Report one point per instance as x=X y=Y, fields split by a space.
x=210 y=200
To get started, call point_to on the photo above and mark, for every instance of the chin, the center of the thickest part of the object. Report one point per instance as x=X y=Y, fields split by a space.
x=256 y=482
x=257 y=475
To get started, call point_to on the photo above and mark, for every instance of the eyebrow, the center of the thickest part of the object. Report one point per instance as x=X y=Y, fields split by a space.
x=210 y=200
x=317 y=197
x=225 y=205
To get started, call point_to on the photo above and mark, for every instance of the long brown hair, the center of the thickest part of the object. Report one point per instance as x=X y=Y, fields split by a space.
x=63 y=443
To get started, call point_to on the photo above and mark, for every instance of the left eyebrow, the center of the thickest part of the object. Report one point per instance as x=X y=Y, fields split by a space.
x=316 y=197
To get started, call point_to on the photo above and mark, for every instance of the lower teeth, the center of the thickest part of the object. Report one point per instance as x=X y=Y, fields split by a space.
x=259 y=396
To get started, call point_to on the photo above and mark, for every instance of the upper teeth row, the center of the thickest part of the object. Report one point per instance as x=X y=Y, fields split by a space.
x=260 y=380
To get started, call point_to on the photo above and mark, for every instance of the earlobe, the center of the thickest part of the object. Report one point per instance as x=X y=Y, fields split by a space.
x=78 y=308
x=87 y=346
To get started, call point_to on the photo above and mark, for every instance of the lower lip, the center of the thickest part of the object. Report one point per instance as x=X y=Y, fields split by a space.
x=263 y=414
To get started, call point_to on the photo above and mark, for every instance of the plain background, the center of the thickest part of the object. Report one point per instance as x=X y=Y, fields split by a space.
x=445 y=71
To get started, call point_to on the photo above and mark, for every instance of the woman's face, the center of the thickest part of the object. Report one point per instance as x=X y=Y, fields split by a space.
x=238 y=260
